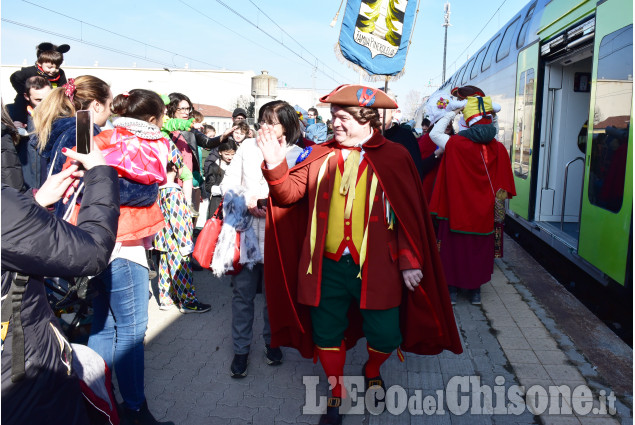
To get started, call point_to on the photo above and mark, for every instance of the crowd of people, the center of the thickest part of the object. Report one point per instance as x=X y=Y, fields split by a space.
x=366 y=230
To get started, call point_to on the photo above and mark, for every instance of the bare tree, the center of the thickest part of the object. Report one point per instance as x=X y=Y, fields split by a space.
x=409 y=106
x=246 y=103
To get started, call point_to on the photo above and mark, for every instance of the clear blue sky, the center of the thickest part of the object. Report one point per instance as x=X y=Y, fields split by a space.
x=205 y=30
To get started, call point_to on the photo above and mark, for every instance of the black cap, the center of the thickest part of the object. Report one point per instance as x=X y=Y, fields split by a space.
x=239 y=111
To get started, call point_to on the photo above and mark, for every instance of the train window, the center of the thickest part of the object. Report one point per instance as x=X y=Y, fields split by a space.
x=454 y=78
x=524 y=123
x=466 y=75
x=490 y=53
x=611 y=120
x=459 y=75
x=523 y=30
x=503 y=50
x=478 y=60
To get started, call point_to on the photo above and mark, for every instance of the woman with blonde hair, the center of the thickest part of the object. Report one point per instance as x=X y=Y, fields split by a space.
x=55 y=128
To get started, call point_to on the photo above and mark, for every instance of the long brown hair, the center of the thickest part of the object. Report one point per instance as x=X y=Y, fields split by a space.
x=58 y=105
x=10 y=127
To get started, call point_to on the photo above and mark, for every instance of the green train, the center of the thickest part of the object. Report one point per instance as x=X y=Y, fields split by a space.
x=562 y=70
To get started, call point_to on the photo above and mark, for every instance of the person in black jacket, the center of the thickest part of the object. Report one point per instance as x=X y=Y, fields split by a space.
x=49 y=60
x=10 y=162
x=214 y=173
x=398 y=134
x=37 y=244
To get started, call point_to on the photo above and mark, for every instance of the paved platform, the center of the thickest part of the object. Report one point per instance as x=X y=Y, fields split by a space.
x=511 y=341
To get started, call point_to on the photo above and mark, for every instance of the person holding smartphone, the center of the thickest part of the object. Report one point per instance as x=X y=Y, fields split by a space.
x=36 y=244
x=244 y=173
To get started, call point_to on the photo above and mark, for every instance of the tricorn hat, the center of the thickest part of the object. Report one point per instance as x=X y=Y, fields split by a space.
x=44 y=47
x=356 y=95
x=466 y=91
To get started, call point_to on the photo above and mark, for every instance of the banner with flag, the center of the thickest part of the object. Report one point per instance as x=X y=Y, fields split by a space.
x=375 y=36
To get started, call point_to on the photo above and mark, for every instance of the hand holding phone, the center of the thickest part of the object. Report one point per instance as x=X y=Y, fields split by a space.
x=261 y=203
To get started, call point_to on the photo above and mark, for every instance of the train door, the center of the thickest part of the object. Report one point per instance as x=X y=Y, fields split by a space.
x=566 y=103
x=608 y=187
x=522 y=143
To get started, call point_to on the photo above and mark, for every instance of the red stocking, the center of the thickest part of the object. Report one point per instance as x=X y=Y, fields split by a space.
x=333 y=360
x=375 y=360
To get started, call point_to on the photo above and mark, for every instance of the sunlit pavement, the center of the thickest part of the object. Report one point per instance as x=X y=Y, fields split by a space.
x=508 y=341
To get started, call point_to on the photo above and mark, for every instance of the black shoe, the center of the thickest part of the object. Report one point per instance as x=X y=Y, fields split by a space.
x=273 y=356
x=239 y=366
x=195 y=307
x=374 y=382
x=332 y=415
x=141 y=416
x=152 y=267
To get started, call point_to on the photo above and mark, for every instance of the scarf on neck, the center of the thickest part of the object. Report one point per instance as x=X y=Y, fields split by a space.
x=139 y=128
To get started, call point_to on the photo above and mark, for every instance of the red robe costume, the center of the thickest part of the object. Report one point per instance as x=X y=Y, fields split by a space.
x=426 y=318
x=464 y=190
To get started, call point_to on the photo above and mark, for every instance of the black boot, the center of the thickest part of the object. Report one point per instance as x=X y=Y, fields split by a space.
x=238 y=367
x=332 y=415
x=140 y=417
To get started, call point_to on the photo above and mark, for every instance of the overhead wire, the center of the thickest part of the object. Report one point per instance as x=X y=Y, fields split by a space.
x=89 y=43
x=120 y=35
x=146 y=58
x=237 y=33
x=150 y=45
x=473 y=40
x=270 y=36
x=166 y=66
x=298 y=43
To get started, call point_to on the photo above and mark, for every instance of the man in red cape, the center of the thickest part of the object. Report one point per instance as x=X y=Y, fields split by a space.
x=475 y=174
x=348 y=226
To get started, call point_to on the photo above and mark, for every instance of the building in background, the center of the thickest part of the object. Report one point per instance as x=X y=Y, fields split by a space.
x=219 y=117
x=208 y=87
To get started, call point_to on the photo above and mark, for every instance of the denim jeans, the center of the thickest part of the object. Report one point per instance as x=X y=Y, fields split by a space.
x=119 y=326
x=245 y=288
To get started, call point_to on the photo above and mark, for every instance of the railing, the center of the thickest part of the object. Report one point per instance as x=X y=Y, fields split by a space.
x=564 y=193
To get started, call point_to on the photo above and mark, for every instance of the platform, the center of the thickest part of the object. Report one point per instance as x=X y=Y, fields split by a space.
x=523 y=335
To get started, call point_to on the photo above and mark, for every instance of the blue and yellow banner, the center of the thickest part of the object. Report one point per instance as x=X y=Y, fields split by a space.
x=375 y=35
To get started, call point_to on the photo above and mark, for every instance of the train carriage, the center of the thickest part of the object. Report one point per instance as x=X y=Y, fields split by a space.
x=562 y=70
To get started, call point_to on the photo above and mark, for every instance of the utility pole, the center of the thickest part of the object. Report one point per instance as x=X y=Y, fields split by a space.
x=446 y=24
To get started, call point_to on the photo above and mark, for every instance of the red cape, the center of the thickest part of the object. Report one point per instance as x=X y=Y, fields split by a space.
x=464 y=189
x=427 y=320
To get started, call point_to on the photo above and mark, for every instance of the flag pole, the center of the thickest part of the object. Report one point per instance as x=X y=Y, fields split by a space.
x=383 y=127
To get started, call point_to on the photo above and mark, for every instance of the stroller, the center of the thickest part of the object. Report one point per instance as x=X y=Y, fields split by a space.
x=71 y=300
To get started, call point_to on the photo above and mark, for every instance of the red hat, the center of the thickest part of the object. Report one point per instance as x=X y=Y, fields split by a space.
x=466 y=91
x=356 y=95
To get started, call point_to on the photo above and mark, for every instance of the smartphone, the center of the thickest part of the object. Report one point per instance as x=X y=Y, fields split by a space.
x=84 y=131
x=261 y=203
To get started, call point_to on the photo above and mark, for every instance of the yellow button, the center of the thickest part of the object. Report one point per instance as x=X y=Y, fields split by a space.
x=348 y=238
x=348 y=223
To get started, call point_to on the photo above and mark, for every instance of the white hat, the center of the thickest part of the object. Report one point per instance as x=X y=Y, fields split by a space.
x=436 y=107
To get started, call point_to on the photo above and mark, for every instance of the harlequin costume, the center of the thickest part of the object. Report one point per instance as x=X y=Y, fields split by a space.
x=174 y=242
x=385 y=228
x=475 y=170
